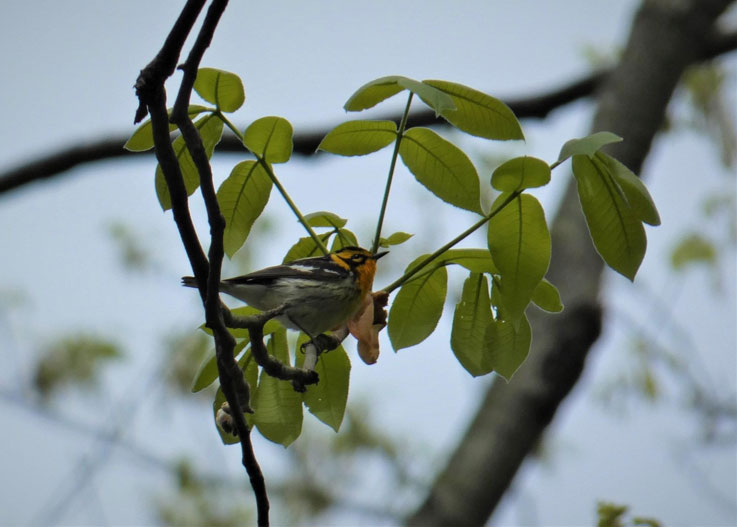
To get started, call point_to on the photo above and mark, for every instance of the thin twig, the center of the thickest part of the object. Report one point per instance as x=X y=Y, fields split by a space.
x=390 y=176
x=432 y=257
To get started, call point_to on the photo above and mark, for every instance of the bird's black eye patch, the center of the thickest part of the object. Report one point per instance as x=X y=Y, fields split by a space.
x=358 y=258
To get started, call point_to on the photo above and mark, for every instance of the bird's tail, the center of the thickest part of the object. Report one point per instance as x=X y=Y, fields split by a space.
x=189 y=281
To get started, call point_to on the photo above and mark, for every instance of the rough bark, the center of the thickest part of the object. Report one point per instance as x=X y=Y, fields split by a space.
x=666 y=37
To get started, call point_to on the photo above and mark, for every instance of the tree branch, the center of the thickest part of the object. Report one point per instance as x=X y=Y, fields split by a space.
x=150 y=90
x=271 y=365
x=538 y=106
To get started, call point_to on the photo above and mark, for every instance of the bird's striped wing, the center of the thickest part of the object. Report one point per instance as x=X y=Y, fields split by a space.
x=298 y=269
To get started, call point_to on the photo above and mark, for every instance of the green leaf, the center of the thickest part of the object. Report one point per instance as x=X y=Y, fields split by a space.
x=417 y=307
x=441 y=167
x=242 y=198
x=616 y=229
x=588 y=145
x=327 y=399
x=241 y=333
x=430 y=95
x=250 y=373
x=143 y=138
x=477 y=113
x=475 y=260
x=278 y=408
x=693 y=249
x=519 y=242
x=634 y=189
x=520 y=173
x=547 y=297
x=305 y=248
x=208 y=372
x=343 y=238
x=221 y=88
x=250 y=369
x=395 y=239
x=211 y=130
x=270 y=138
x=471 y=318
x=372 y=93
x=358 y=138
x=508 y=347
x=325 y=219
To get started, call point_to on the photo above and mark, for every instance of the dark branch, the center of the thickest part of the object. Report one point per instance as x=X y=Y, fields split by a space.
x=306 y=143
x=152 y=97
x=271 y=365
x=234 y=386
x=163 y=64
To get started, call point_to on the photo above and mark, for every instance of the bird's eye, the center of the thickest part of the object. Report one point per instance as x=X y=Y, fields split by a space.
x=358 y=258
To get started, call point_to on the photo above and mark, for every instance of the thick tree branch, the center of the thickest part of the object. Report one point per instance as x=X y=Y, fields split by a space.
x=666 y=38
x=305 y=143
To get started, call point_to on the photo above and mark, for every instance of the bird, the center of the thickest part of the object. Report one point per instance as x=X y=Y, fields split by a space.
x=319 y=293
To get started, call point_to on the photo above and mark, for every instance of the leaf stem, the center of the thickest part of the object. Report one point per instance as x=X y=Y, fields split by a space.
x=279 y=186
x=558 y=163
x=430 y=258
x=395 y=154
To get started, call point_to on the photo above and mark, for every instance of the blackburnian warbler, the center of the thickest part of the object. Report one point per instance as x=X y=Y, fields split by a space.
x=321 y=293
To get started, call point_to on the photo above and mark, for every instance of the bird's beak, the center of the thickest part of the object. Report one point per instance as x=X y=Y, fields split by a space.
x=379 y=255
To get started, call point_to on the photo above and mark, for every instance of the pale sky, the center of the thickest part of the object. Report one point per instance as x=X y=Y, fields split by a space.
x=68 y=70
